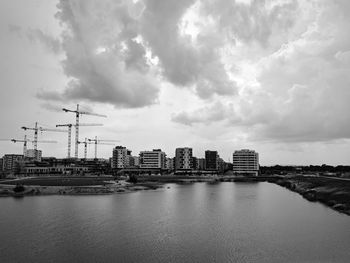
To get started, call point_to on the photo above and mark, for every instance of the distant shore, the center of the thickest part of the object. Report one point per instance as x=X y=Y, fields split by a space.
x=72 y=186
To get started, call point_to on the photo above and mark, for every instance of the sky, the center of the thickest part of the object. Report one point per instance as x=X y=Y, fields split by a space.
x=272 y=76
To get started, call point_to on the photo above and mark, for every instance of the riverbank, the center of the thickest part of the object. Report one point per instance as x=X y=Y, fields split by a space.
x=72 y=186
x=332 y=192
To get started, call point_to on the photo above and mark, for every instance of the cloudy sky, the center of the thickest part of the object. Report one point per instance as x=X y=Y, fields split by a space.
x=271 y=75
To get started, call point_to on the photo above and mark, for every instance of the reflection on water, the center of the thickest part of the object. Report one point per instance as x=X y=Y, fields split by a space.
x=226 y=222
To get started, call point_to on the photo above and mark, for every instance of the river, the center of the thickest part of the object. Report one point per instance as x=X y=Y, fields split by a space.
x=225 y=222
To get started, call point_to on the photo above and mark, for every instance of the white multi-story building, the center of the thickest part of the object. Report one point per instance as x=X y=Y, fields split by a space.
x=153 y=159
x=183 y=159
x=245 y=162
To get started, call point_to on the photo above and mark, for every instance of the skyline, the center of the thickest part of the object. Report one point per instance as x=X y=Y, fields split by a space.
x=270 y=76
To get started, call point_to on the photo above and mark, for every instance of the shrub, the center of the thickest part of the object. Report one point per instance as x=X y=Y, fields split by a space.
x=18 y=188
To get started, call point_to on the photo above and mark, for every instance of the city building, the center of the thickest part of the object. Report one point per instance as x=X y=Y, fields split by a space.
x=221 y=165
x=11 y=161
x=155 y=159
x=183 y=159
x=211 y=160
x=120 y=157
x=245 y=162
x=53 y=166
x=200 y=164
x=170 y=164
x=134 y=161
x=34 y=154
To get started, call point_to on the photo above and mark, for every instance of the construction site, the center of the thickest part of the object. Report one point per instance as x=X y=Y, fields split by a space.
x=32 y=163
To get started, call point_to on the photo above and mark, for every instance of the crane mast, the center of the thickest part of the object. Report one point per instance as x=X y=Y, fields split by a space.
x=98 y=141
x=70 y=133
x=76 y=132
x=77 y=114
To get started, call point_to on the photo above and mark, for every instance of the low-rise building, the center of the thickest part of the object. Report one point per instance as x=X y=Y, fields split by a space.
x=245 y=162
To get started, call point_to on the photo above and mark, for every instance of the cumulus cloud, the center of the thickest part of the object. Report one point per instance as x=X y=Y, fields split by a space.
x=37 y=35
x=50 y=42
x=116 y=52
x=212 y=113
x=300 y=82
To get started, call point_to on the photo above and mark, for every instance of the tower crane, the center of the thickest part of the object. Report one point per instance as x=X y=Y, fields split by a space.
x=25 y=141
x=77 y=114
x=70 y=132
x=36 y=129
x=99 y=141
x=88 y=141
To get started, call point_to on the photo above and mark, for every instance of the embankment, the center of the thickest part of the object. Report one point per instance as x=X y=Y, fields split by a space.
x=334 y=193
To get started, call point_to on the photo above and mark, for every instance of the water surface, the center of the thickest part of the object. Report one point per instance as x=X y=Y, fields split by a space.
x=226 y=222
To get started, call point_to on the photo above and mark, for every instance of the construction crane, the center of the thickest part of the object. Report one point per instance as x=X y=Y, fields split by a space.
x=70 y=132
x=89 y=141
x=77 y=114
x=85 y=146
x=99 y=141
x=25 y=141
x=36 y=129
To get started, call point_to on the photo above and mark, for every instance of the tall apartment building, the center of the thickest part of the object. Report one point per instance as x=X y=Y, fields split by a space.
x=245 y=162
x=211 y=160
x=153 y=159
x=183 y=159
x=120 y=157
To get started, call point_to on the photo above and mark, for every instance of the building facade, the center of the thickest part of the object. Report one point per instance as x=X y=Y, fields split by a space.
x=120 y=157
x=245 y=162
x=11 y=161
x=170 y=164
x=211 y=160
x=34 y=154
x=183 y=159
x=200 y=164
x=155 y=159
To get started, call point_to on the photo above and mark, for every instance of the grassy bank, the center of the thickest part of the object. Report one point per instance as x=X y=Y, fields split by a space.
x=72 y=186
x=334 y=193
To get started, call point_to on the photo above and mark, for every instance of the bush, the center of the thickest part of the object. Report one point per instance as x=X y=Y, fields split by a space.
x=18 y=188
x=133 y=179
